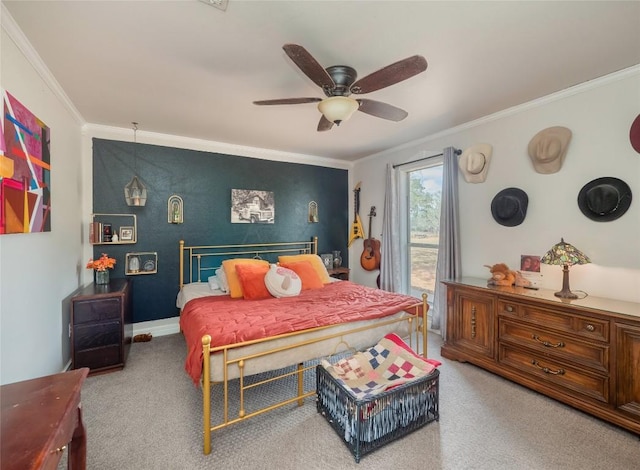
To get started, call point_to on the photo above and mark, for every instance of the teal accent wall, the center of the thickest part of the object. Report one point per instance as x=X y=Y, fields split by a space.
x=204 y=180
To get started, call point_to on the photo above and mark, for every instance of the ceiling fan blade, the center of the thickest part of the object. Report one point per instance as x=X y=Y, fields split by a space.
x=309 y=66
x=288 y=101
x=324 y=124
x=382 y=110
x=390 y=75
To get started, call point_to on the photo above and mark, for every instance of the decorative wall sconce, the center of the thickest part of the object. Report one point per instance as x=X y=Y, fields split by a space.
x=135 y=193
x=313 y=212
x=175 y=210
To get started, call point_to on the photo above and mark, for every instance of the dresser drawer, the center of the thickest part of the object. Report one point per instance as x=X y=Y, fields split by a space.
x=93 y=310
x=97 y=358
x=586 y=327
x=557 y=345
x=549 y=371
x=96 y=335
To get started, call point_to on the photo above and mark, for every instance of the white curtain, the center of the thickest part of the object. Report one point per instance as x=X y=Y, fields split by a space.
x=390 y=260
x=449 y=262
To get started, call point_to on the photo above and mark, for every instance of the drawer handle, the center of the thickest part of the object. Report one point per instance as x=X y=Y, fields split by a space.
x=509 y=308
x=590 y=327
x=546 y=370
x=547 y=343
x=473 y=321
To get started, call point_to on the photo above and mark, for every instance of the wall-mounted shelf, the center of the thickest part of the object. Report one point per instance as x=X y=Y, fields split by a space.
x=104 y=226
x=142 y=262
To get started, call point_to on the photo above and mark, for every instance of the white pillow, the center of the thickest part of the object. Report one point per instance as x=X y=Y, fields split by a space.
x=282 y=282
x=222 y=280
x=213 y=283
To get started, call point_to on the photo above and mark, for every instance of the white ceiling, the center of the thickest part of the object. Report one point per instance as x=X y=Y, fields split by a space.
x=185 y=68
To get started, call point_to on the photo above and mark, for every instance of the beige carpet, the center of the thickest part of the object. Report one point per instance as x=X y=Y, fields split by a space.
x=148 y=416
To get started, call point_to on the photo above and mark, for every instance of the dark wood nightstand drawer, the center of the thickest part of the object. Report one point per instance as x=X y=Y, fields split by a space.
x=97 y=334
x=97 y=358
x=95 y=310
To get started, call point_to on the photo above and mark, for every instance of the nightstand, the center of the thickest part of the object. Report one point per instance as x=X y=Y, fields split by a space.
x=101 y=326
x=339 y=273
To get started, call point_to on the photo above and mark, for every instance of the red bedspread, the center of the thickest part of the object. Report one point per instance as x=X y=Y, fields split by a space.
x=231 y=321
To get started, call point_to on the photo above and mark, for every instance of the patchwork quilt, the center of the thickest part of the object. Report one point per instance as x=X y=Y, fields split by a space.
x=390 y=363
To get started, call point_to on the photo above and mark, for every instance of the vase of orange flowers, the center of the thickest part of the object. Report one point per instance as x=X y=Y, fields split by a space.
x=101 y=267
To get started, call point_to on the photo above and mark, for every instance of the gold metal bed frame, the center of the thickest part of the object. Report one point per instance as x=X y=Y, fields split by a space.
x=200 y=268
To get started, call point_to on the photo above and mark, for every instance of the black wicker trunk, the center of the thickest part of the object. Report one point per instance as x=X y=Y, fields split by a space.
x=367 y=424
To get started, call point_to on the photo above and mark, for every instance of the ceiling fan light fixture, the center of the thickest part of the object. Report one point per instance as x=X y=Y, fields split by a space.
x=338 y=108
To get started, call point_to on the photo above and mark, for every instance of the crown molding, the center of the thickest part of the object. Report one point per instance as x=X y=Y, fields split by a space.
x=20 y=40
x=153 y=138
x=562 y=94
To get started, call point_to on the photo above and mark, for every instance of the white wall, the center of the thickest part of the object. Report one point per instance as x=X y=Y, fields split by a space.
x=38 y=270
x=599 y=113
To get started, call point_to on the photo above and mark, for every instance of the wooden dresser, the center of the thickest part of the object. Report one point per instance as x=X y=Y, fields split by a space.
x=584 y=352
x=40 y=419
x=101 y=326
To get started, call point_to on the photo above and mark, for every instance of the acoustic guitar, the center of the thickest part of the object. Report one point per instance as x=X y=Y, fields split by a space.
x=370 y=257
x=356 y=227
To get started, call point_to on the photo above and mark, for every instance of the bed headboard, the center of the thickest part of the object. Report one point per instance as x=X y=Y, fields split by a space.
x=197 y=263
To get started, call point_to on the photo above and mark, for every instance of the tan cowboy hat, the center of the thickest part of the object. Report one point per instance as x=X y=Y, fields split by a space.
x=548 y=148
x=474 y=163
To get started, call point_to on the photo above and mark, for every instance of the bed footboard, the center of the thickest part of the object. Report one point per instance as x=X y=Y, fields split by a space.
x=234 y=362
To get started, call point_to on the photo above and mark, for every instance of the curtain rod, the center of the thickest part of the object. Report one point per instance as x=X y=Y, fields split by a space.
x=457 y=152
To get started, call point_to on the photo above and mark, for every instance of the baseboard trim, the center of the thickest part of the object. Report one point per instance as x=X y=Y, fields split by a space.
x=166 y=326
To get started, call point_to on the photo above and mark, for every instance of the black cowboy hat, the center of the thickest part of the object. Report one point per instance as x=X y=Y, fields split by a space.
x=604 y=199
x=509 y=207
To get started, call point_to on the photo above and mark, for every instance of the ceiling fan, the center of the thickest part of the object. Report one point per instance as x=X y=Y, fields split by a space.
x=339 y=81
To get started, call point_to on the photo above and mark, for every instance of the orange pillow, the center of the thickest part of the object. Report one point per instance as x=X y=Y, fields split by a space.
x=307 y=273
x=229 y=266
x=251 y=278
x=315 y=261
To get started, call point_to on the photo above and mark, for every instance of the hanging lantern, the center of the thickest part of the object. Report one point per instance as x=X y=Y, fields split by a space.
x=135 y=193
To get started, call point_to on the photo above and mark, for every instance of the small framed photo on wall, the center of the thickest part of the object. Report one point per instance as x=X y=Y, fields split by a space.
x=126 y=234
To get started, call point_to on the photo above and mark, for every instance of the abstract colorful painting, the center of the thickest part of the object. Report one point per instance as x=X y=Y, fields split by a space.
x=25 y=170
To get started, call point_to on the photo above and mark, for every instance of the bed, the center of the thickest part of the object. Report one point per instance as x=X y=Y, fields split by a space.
x=232 y=337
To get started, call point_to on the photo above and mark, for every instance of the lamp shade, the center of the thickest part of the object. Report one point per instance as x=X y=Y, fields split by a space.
x=564 y=253
x=338 y=108
x=135 y=193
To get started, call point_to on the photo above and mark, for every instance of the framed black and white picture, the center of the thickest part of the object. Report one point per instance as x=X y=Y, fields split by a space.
x=250 y=206
x=126 y=234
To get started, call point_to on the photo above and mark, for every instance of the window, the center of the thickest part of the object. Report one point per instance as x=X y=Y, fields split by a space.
x=423 y=217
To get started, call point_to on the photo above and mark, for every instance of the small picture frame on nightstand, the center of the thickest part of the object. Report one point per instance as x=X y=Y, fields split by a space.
x=327 y=260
